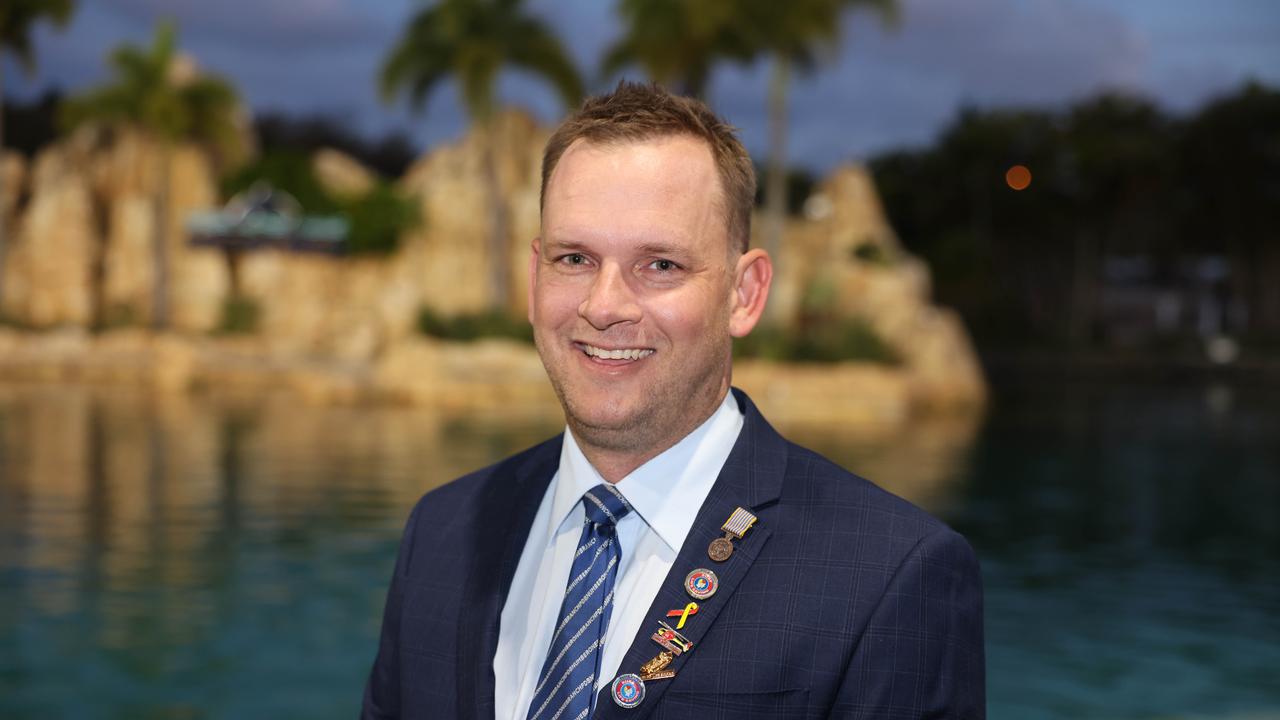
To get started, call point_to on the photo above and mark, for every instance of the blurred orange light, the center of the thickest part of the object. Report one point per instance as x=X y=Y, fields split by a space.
x=1018 y=177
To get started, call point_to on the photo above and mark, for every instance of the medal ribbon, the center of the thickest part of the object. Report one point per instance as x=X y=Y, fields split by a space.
x=739 y=522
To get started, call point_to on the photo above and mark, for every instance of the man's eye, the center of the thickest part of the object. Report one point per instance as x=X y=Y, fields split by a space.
x=663 y=265
x=574 y=259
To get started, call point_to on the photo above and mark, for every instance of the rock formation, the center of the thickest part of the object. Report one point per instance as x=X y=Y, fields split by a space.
x=82 y=253
x=13 y=172
x=845 y=256
x=52 y=246
x=357 y=307
x=340 y=174
x=82 y=250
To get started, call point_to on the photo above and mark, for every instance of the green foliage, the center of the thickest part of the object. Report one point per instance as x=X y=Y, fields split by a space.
x=473 y=40
x=827 y=341
x=799 y=186
x=16 y=20
x=846 y=340
x=377 y=218
x=473 y=327
x=679 y=42
x=18 y=16
x=871 y=253
x=148 y=94
x=1112 y=176
x=239 y=316
x=288 y=171
x=120 y=315
x=30 y=126
x=389 y=156
x=820 y=335
x=14 y=322
x=800 y=30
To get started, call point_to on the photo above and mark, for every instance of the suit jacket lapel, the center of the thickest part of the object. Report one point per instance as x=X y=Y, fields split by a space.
x=509 y=503
x=751 y=478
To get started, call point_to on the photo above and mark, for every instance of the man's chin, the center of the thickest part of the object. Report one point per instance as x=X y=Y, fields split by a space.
x=601 y=416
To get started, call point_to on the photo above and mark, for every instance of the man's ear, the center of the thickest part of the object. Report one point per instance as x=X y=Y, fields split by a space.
x=535 y=250
x=752 y=279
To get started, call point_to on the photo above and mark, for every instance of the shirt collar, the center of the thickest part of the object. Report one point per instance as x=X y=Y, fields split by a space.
x=667 y=491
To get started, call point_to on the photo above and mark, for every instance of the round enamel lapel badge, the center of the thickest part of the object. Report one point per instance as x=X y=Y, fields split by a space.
x=628 y=690
x=701 y=584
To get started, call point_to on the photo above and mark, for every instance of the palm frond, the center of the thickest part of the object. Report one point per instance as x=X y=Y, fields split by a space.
x=536 y=49
x=17 y=17
x=143 y=94
x=472 y=40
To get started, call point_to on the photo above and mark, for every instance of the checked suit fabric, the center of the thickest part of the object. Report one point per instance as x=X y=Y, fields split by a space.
x=841 y=602
x=566 y=685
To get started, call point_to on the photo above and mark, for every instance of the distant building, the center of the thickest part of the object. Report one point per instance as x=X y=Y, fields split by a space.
x=263 y=216
x=1140 y=307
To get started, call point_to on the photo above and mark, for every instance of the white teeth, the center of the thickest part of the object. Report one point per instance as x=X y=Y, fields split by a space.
x=626 y=354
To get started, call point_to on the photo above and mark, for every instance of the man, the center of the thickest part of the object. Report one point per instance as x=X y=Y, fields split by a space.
x=669 y=555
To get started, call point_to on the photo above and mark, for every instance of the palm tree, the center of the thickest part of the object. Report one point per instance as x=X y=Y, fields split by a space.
x=792 y=34
x=160 y=95
x=16 y=19
x=678 y=42
x=472 y=40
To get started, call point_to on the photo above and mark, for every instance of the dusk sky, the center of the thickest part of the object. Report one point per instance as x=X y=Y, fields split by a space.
x=885 y=88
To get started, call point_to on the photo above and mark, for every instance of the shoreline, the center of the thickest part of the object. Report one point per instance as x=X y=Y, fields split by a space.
x=498 y=377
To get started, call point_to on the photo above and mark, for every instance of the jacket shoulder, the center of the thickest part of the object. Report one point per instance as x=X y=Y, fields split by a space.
x=830 y=498
x=456 y=497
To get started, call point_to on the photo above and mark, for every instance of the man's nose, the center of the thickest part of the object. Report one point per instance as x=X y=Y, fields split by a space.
x=610 y=300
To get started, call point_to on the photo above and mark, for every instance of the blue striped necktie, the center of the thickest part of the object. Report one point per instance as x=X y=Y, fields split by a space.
x=567 y=684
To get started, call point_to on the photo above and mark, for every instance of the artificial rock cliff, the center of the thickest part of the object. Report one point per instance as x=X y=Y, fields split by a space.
x=79 y=254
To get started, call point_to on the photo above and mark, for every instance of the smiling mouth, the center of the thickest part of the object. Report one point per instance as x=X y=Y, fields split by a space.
x=630 y=354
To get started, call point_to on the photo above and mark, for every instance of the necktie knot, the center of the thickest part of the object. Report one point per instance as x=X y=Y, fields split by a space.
x=605 y=505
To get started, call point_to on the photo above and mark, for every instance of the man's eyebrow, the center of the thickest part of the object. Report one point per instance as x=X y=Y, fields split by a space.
x=657 y=248
x=647 y=248
x=570 y=245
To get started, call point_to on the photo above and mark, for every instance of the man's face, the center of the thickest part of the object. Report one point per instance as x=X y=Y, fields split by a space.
x=633 y=290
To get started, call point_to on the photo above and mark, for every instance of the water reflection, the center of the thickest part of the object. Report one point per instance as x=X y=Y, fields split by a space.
x=1137 y=467
x=169 y=554
x=226 y=556
x=1130 y=537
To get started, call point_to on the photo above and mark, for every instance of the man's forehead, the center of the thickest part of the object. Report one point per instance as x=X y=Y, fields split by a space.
x=662 y=159
x=686 y=146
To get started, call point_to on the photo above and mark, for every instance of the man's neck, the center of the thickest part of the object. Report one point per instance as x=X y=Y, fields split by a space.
x=615 y=463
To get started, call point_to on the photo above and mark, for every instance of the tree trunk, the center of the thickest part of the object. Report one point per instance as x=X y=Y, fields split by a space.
x=1239 y=285
x=98 y=319
x=4 y=250
x=499 y=227
x=233 y=257
x=775 y=190
x=1083 y=289
x=1264 y=306
x=160 y=242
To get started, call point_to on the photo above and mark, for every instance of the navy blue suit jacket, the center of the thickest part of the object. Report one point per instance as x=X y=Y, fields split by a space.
x=842 y=600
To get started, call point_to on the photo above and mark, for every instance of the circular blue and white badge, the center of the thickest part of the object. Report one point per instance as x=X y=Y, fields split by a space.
x=628 y=690
x=701 y=584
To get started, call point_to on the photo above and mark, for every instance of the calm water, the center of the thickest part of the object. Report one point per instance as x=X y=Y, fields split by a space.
x=226 y=558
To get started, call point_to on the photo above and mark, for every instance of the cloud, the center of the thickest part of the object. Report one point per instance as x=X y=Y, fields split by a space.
x=1012 y=50
x=269 y=27
x=884 y=89
x=900 y=86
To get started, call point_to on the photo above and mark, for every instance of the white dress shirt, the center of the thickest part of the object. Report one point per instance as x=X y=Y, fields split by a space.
x=665 y=494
